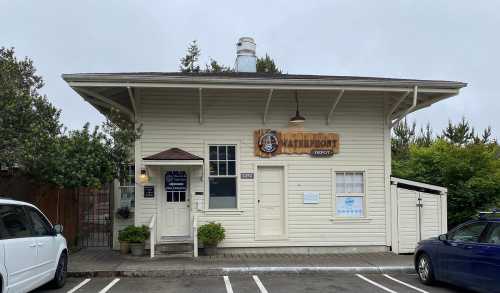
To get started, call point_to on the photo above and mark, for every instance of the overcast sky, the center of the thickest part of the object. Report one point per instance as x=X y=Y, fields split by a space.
x=449 y=40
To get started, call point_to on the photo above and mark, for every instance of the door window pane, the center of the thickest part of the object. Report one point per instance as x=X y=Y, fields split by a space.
x=40 y=225
x=222 y=168
x=231 y=153
x=231 y=168
x=222 y=153
x=214 y=170
x=15 y=221
x=170 y=196
x=182 y=196
x=176 y=196
x=469 y=233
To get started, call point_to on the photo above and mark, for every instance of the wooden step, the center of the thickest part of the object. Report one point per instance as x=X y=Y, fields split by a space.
x=171 y=248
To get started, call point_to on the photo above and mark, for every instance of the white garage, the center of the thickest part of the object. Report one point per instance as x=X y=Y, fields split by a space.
x=419 y=213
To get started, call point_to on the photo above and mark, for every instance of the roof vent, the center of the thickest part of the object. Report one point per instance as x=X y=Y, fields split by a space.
x=246 y=61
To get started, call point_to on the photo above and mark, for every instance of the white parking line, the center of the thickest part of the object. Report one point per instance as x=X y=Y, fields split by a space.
x=79 y=286
x=106 y=289
x=229 y=288
x=376 y=284
x=405 y=284
x=259 y=284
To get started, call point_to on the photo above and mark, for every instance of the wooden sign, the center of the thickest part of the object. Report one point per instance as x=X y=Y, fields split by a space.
x=269 y=143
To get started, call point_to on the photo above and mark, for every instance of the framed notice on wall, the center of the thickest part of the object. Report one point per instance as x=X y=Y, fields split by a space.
x=149 y=191
x=349 y=206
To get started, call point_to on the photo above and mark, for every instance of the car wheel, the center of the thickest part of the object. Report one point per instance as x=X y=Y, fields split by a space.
x=60 y=276
x=424 y=269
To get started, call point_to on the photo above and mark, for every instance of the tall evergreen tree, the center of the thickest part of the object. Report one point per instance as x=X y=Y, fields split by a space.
x=189 y=63
x=267 y=65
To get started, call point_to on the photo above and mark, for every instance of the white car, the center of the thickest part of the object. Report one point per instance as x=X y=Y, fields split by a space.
x=32 y=251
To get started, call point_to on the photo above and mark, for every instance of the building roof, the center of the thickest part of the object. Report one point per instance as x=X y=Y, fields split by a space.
x=106 y=91
x=173 y=154
x=257 y=77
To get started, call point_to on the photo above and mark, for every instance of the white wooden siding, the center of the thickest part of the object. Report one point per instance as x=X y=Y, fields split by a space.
x=170 y=119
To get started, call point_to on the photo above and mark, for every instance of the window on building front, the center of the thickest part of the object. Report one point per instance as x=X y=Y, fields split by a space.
x=222 y=177
x=127 y=188
x=349 y=194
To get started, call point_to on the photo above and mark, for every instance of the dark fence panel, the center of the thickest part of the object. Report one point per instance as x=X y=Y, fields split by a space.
x=84 y=213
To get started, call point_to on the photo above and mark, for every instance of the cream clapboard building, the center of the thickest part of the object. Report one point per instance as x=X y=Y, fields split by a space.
x=221 y=147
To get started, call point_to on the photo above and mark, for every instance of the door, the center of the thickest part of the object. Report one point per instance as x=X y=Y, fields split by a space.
x=408 y=219
x=487 y=259
x=20 y=248
x=270 y=202
x=46 y=243
x=430 y=215
x=457 y=254
x=175 y=207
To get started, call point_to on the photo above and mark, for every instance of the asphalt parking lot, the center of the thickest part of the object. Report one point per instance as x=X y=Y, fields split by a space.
x=263 y=283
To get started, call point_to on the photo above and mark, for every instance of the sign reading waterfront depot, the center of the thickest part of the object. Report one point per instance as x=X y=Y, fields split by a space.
x=269 y=143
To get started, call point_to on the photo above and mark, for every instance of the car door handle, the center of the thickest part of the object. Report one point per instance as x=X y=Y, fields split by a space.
x=32 y=245
x=40 y=243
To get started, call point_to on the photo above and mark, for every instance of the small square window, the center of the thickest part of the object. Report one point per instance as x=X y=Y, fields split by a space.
x=222 y=153
x=213 y=153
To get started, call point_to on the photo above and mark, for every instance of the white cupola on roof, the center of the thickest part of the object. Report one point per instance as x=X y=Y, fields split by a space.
x=246 y=61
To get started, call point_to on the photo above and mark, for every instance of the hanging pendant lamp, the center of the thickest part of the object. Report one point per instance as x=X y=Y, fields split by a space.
x=297 y=118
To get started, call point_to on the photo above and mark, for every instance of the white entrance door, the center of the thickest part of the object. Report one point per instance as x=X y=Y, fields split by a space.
x=270 y=202
x=175 y=211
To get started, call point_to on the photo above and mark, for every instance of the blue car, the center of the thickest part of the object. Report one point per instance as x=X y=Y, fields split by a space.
x=467 y=256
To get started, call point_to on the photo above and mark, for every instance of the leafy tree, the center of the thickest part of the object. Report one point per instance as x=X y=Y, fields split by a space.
x=267 y=65
x=189 y=63
x=403 y=137
x=214 y=66
x=32 y=137
x=29 y=124
x=464 y=162
x=471 y=173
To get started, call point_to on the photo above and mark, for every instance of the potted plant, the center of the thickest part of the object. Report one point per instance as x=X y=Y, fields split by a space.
x=124 y=245
x=210 y=235
x=136 y=236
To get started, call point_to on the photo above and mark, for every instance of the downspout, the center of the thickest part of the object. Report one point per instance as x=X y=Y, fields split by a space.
x=413 y=105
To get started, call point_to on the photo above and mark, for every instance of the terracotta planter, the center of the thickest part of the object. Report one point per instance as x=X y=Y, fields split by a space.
x=124 y=247
x=137 y=249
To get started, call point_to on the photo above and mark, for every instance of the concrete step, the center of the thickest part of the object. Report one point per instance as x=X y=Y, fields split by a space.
x=173 y=248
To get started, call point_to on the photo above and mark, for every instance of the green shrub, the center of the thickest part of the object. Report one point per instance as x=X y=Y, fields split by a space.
x=134 y=234
x=211 y=234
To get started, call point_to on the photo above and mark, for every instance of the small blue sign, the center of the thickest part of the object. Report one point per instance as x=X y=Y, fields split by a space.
x=176 y=181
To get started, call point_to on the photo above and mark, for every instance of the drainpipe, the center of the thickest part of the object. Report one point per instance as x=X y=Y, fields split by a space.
x=413 y=105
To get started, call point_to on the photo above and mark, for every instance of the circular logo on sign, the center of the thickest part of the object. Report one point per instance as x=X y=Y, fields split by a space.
x=268 y=142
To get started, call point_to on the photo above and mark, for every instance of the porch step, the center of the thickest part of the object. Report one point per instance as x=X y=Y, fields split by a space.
x=174 y=248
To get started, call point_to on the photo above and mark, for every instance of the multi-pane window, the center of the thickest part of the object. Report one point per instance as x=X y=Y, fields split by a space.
x=349 y=194
x=222 y=177
x=127 y=187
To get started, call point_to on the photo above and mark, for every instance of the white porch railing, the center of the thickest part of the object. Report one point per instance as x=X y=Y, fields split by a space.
x=195 y=236
x=152 y=236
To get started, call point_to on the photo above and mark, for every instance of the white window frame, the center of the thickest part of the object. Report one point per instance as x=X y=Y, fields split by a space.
x=335 y=195
x=208 y=144
x=131 y=186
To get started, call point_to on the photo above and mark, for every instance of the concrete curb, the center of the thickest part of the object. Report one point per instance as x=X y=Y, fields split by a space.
x=242 y=271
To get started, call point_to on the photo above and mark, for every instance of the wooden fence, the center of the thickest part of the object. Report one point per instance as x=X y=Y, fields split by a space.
x=61 y=206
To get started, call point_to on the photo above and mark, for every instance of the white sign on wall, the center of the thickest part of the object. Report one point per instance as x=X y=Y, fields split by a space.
x=311 y=197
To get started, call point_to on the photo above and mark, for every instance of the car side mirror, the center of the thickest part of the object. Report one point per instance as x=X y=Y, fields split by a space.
x=58 y=229
x=443 y=237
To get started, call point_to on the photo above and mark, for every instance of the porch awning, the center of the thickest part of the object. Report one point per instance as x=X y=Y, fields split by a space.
x=173 y=157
